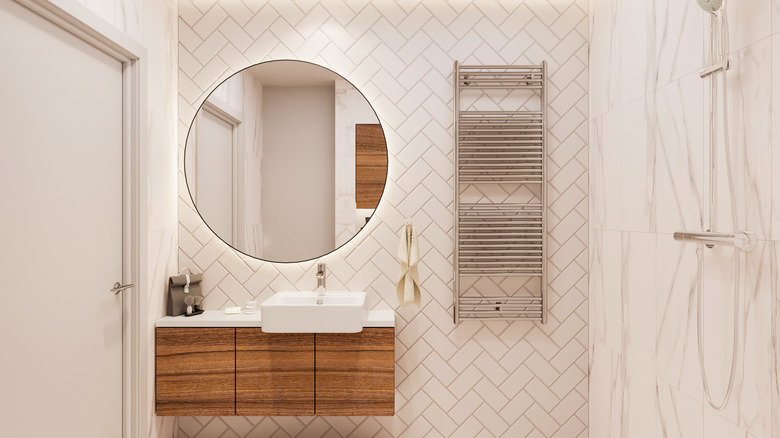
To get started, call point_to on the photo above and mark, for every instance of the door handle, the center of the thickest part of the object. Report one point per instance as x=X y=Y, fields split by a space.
x=120 y=287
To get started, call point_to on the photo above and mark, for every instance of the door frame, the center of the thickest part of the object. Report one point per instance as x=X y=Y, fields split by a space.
x=233 y=117
x=89 y=27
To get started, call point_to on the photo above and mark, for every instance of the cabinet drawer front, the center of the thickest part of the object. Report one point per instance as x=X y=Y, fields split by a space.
x=274 y=373
x=195 y=371
x=356 y=372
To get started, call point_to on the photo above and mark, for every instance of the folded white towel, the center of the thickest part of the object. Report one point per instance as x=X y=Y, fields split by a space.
x=408 y=289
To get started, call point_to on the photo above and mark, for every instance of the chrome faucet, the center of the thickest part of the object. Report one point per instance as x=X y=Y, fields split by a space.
x=320 y=278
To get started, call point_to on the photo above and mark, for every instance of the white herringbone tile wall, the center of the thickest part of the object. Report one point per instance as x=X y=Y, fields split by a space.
x=475 y=379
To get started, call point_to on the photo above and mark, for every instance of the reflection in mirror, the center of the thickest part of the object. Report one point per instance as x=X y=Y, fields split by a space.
x=286 y=161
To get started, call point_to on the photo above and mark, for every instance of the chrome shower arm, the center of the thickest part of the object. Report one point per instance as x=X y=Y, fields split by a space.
x=715 y=68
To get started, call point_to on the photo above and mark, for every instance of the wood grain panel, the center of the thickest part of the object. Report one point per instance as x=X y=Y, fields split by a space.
x=370 y=164
x=356 y=372
x=195 y=371
x=274 y=373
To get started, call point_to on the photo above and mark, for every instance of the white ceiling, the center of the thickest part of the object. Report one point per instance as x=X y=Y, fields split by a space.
x=292 y=73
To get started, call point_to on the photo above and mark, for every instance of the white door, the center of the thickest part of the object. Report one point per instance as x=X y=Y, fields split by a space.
x=60 y=232
x=215 y=174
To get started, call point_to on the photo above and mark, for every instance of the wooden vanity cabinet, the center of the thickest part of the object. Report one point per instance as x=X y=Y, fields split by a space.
x=196 y=371
x=244 y=371
x=274 y=373
x=356 y=372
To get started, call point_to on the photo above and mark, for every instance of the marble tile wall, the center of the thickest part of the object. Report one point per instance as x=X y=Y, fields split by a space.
x=153 y=24
x=251 y=131
x=345 y=163
x=474 y=379
x=649 y=137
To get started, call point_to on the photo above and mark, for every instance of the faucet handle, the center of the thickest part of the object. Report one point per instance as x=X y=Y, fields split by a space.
x=320 y=278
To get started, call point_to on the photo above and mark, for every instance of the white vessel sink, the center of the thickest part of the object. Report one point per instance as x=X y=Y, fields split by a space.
x=298 y=312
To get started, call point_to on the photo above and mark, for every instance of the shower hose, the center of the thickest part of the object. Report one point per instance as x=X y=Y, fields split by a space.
x=723 y=45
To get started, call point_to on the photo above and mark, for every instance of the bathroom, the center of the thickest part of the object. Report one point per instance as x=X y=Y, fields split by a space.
x=629 y=163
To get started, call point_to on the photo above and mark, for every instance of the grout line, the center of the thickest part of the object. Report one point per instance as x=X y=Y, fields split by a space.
x=235 y=371
x=315 y=373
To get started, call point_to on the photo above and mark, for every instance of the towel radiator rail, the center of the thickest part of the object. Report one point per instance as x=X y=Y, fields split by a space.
x=500 y=240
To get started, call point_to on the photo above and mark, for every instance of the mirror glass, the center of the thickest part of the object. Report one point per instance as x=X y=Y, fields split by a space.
x=285 y=161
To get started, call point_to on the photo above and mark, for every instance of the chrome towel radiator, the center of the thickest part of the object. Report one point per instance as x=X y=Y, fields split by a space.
x=500 y=193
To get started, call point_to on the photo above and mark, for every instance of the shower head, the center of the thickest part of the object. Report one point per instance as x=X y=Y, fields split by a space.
x=710 y=6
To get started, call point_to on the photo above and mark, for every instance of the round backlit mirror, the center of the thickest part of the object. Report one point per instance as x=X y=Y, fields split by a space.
x=285 y=161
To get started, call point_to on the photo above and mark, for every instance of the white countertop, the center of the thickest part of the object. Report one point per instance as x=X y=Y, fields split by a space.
x=217 y=318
